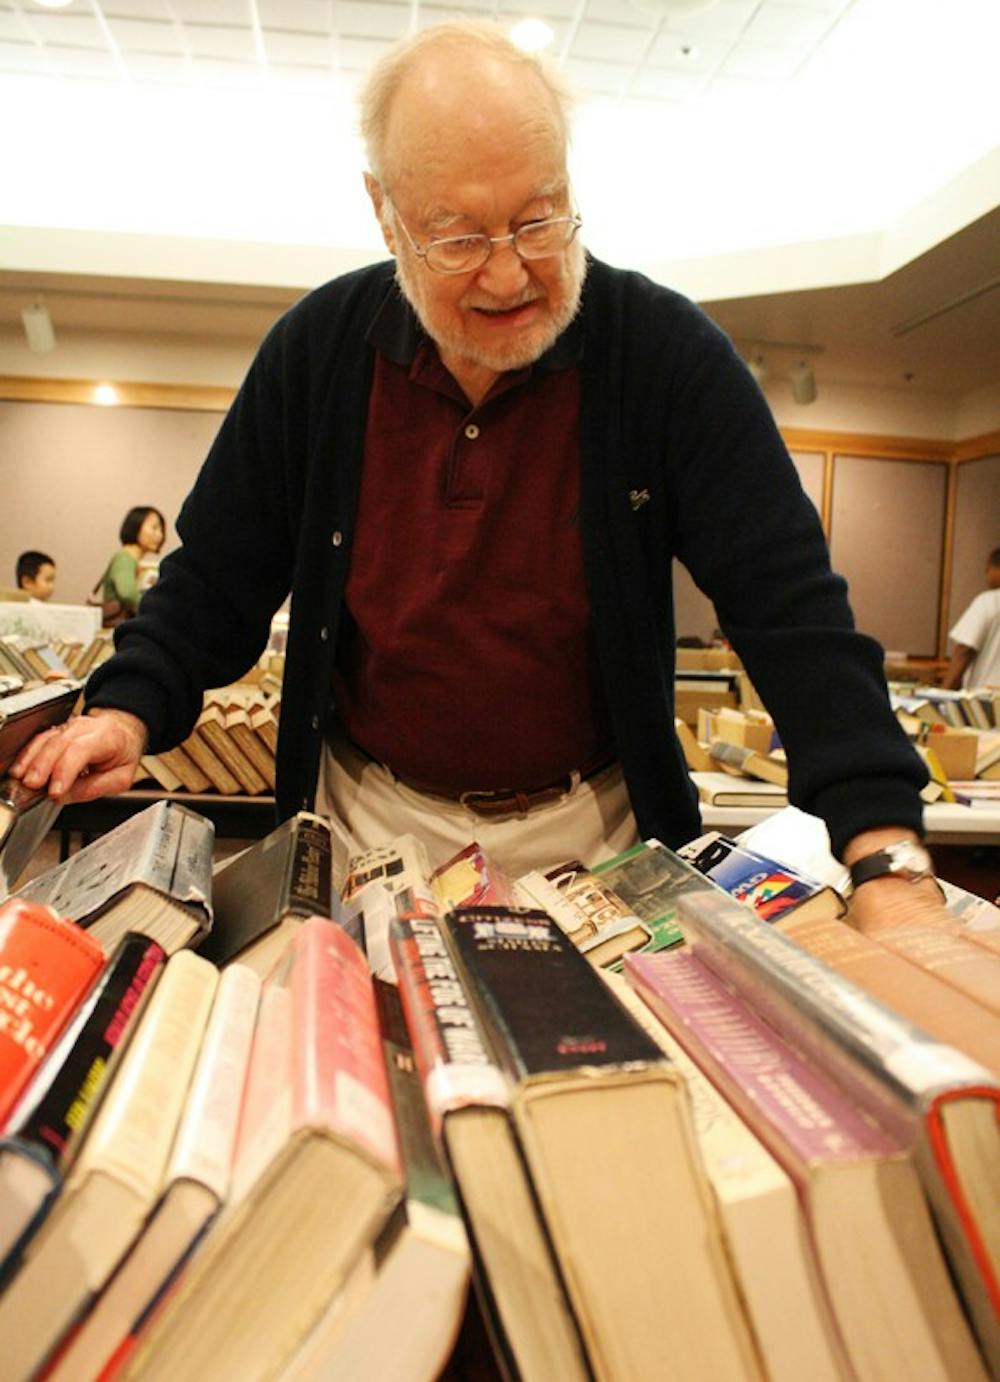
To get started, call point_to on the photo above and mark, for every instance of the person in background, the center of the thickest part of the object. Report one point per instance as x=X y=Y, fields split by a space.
x=472 y=467
x=36 y=573
x=142 y=534
x=975 y=656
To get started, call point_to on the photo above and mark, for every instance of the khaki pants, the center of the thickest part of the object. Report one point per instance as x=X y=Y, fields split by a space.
x=367 y=805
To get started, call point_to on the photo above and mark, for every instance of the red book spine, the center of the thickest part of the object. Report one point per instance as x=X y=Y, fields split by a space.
x=339 y=1079
x=47 y=966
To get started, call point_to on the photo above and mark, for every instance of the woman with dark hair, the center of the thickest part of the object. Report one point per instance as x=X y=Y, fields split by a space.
x=142 y=534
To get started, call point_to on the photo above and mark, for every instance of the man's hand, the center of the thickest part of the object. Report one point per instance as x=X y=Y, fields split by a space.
x=884 y=903
x=92 y=755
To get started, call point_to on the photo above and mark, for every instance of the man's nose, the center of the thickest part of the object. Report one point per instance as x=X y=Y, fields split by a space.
x=504 y=272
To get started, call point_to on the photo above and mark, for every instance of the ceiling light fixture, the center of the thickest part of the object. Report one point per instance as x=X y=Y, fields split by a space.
x=53 y=4
x=531 y=35
x=801 y=376
x=106 y=395
x=38 y=327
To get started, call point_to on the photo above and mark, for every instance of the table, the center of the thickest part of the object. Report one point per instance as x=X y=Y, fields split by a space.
x=945 y=823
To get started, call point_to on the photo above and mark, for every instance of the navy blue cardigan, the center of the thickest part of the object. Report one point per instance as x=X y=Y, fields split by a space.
x=680 y=457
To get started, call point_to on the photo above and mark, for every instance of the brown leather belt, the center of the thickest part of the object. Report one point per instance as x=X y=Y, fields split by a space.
x=508 y=801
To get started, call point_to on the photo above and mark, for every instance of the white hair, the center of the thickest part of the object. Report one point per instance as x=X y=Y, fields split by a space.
x=386 y=77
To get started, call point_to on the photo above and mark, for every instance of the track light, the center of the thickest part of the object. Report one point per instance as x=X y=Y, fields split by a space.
x=803 y=383
x=801 y=378
x=38 y=327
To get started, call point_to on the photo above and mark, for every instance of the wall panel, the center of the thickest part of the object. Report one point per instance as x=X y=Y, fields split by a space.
x=886 y=538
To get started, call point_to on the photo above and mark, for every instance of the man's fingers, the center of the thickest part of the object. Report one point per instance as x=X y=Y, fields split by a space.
x=89 y=785
x=34 y=750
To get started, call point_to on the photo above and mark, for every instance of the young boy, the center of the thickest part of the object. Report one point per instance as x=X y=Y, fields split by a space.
x=36 y=573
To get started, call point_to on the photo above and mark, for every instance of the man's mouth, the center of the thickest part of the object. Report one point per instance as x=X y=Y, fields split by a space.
x=507 y=313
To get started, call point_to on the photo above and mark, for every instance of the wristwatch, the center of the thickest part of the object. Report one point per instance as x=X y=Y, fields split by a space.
x=903 y=859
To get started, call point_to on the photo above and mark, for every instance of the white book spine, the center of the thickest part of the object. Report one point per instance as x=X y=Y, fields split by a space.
x=133 y=1132
x=206 y=1139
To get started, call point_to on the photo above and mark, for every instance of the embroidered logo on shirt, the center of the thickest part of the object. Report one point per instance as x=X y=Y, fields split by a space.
x=638 y=497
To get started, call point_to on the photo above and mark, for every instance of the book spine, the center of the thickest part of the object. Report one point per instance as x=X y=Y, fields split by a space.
x=308 y=887
x=800 y=1114
x=544 y=1007
x=190 y=875
x=85 y=1060
x=47 y=965
x=339 y=1077
x=452 y=1055
x=131 y=1136
x=889 y=1063
x=206 y=1139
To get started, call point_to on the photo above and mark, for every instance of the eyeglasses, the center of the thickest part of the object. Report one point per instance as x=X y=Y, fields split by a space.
x=461 y=254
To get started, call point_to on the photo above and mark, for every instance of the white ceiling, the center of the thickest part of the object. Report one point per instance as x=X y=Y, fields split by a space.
x=616 y=47
x=713 y=149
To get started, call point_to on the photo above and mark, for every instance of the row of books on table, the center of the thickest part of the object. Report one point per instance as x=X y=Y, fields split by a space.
x=671 y=1113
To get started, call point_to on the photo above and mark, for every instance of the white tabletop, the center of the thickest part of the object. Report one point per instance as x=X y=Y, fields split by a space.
x=944 y=822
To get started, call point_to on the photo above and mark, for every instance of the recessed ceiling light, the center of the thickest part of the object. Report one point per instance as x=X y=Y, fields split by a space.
x=53 y=4
x=106 y=395
x=532 y=35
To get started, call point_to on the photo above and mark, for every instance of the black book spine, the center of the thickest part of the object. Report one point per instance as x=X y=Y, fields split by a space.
x=77 y=1087
x=543 y=1005
x=310 y=877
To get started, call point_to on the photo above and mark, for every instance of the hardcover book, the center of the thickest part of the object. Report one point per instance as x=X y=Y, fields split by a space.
x=872 y=1232
x=419 y=1273
x=211 y=726
x=208 y=762
x=152 y=874
x=939 y=1102
x=47 y=1127
x=194 y=1187
x=261 y=896
x=766 y=1232
x=47 y=965
x=532 y=1328
x=315 y=1179
x=596 y=919
x=116 y=1178
x=596 y=1106
x=183 y=766
x=27 y=713
x=722 y=789
x=240 y=730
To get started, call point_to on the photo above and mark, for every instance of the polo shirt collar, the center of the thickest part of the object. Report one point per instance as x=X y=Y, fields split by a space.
x=396 y=333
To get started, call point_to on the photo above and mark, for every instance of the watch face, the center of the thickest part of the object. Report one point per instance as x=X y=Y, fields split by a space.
x=909 y=858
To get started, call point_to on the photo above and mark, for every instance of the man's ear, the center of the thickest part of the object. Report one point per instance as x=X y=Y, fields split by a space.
x=379 y=201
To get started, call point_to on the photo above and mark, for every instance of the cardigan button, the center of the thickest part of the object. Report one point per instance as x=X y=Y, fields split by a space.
x=337 y=537
x=324 y=634
x=315 y=722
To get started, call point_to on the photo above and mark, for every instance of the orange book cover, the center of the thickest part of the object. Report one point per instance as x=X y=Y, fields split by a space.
x=47 y=965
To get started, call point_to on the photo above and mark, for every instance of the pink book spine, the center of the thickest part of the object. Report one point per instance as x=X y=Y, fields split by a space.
x=800 y=1114
x=339 y=1079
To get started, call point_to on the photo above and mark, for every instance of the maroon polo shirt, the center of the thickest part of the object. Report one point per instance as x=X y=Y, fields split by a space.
x=467 y=658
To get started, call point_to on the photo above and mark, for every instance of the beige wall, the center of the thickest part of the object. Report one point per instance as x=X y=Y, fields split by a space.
x=69 y=474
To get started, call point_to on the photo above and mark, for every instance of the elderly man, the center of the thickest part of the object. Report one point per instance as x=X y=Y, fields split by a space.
x=472 y=471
